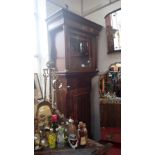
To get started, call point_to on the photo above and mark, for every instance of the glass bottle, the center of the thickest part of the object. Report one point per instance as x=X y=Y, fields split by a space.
x=60 y=136
x=52 y=137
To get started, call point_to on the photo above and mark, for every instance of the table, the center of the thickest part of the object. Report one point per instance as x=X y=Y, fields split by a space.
x=92 y=148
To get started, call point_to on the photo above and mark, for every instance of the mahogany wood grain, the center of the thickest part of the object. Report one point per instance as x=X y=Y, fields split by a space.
x=110 y=114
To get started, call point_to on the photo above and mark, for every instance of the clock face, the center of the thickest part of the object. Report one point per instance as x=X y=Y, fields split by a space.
x=80 y=52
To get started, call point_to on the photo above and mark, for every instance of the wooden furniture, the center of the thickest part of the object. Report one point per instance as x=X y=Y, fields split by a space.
x=110 y=97
x=92 y=148
x=110 y=114
x=110 y=104
x=73 y=49
x=110 y=122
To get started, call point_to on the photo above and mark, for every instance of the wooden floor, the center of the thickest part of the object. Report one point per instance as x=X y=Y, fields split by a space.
x=113 y=136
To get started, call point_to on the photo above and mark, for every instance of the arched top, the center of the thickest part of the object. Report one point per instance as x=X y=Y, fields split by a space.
x=112 y=12
x=110 y=81
x=115 y=67
x=113 y=31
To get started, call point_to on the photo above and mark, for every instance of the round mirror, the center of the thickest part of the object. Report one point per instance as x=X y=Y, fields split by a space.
x=110 y=82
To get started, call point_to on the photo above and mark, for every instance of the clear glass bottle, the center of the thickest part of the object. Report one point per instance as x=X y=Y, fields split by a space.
x=60 y=136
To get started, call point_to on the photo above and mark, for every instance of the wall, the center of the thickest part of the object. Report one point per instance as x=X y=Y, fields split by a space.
x=104 y=59
x=89 y=4
x=41 y=53
x=51 y=8
x=73 y=5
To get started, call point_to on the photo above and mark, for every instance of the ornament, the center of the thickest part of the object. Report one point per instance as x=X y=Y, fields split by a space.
x=73 y=140
x=72 y=134
x=82 y=134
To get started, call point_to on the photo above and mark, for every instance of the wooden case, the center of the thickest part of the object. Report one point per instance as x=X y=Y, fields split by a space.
x=73 y=42
x=73 y=48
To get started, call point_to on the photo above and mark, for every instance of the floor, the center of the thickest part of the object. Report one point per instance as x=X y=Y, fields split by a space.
x=113 y=136
x=115 y=149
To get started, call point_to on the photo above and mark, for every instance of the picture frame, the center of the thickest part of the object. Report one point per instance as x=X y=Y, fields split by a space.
x=37 y=88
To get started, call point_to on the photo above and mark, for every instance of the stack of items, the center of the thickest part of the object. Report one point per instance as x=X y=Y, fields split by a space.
x=52 y=129
x=111 y=98
x=58 y=133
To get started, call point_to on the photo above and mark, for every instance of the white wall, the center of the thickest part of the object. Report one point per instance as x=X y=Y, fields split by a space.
x=89 y=4
x=104 y=59
x=41 y=53
x=51 y=8
x=73 y=5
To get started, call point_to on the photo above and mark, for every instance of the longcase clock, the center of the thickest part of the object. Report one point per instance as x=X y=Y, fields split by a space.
x=73 y=48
